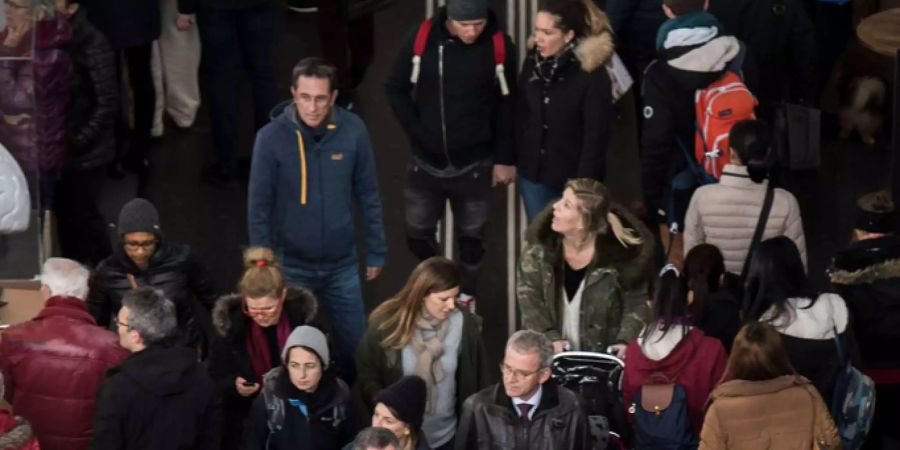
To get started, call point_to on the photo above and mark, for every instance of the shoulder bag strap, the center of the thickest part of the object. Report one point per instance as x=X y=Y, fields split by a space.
x=760 y=227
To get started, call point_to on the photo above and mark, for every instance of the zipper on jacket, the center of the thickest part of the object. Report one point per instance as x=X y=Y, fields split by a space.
x=443 y=113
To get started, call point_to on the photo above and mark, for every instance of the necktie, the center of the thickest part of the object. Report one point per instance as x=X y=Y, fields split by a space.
x=524 y=409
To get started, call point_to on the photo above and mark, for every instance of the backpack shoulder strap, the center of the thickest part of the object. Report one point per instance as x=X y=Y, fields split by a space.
x=760 y=227
x=419 y=49
x=499 y=42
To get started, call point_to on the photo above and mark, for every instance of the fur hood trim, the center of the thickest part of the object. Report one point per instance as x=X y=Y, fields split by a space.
x=17 y=436
x=595 y=49
x=229 y=306
x=881 y=271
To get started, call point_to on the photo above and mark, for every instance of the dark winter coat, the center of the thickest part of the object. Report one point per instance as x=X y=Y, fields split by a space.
x=669 y=85
x=563 y=127
x=228 y=358
x=159 y=398
x=94 y=100
x=62 y=339
x=722 y=319
x=126 y=23
x=867 y=276
x=326 y=424
x=781 y=41
x=192 y=6
x=458 y=118
x=173 y=269
x=635 y=23
x=490 y=421
x=615 y=284
x=34 y=94
x=694 y=361
x=378 y=367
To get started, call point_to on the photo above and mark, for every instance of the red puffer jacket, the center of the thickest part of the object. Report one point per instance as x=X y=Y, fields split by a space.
x=53 y=367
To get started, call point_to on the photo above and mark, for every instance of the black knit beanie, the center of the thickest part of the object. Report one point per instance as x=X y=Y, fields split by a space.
x=137 y=216
x=406 y=397
x=463 y=10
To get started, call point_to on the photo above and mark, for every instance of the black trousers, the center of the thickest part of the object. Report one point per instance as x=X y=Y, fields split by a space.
x=82 y=229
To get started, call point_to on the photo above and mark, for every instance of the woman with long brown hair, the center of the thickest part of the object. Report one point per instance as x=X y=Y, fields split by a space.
x=763 y=403
x=252 y=327
x=584 y=271
x=420 y=332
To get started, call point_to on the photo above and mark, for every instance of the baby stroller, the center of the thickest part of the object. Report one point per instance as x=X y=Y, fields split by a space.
x=596 y=378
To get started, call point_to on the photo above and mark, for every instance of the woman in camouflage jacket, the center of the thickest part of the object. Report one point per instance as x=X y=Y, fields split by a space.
x=583 y=274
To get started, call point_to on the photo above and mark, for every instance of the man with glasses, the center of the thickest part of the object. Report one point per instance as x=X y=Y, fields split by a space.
x=311 y=164
x=160 y=397
x=144 y=259
x=527 y=410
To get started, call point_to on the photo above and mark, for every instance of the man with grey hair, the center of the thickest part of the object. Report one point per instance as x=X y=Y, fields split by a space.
x=544 y=416
x=160 y=397
x=54 y=364
x=375 y=438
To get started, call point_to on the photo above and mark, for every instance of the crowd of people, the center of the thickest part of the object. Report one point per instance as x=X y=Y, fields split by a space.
x=702 y=294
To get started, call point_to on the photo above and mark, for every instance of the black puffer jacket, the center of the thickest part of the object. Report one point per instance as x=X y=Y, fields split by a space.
x=228 y=358
x=489 y=421
x=94 y=97
x=159 y=398
x=563 y=126
x=126 y=23
x=477 y=118
x=174 y=270
x=322 y=420
x=867 y=276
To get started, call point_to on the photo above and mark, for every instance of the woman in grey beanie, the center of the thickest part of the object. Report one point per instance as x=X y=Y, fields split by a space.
x=303 y=404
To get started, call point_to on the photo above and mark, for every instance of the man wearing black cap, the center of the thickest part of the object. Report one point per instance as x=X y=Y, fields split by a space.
x=527 y=411
x=453 y=97
x=867 y=275
x=143 y=259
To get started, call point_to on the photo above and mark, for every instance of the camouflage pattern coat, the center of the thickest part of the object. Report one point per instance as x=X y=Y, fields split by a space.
x=615 y=284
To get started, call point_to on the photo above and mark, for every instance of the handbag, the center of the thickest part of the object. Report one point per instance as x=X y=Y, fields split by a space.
x=798 y=139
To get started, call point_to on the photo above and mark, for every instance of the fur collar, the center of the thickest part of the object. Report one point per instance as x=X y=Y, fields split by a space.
x=868 y=261
x=18 y=435
x=595 y=49
x=229 y=320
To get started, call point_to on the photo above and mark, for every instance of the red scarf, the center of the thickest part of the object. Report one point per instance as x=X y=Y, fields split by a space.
x=258 y=346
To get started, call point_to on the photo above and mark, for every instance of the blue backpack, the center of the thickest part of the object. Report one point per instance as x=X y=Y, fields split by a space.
x=661 y=420
x=853 y=401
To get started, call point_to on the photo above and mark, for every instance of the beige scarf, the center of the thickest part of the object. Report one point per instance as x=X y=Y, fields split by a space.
x=428 y=354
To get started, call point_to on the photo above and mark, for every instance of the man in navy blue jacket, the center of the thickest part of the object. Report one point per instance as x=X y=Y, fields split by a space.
x=310 y=164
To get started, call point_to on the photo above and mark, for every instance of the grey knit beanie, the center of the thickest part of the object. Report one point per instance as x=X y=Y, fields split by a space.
x=309 y=337
x=139 y=215
x=467 y=9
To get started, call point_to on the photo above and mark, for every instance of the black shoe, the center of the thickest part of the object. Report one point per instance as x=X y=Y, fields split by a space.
x=217 y=176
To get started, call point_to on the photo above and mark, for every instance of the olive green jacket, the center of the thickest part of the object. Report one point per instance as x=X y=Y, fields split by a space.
x=378 y=367
x=615 y=285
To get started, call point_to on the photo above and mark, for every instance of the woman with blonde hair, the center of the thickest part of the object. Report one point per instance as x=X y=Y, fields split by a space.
x=251 y=329
x=763 y=403
x=420 y=332
x=584 y=270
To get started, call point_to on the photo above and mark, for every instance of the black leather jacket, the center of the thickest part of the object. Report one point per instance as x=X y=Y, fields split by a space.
x=174 y=270
x=489 y=422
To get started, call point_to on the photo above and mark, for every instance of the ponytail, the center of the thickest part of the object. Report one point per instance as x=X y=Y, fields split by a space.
x=262 y=275
x=625 y=236
x=751 y=141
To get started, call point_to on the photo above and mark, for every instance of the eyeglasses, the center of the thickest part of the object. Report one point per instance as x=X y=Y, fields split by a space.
x=13 y=4
x=142 y=245
x=267 y=311
x=517 y=374
x=122 y=324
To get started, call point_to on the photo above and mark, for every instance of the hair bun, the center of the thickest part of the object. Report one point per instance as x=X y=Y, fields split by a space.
x=259 y=257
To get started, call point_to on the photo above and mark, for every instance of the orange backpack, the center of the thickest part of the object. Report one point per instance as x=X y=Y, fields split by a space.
x=719 y=106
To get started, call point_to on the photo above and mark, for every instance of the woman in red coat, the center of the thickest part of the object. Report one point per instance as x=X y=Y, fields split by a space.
x=670 y=348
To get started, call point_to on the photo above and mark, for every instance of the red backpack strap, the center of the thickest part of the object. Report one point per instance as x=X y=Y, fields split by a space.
x=419 y=49
x=499 y=60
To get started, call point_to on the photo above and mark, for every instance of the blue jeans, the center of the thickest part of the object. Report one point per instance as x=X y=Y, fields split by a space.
x=536 y=197
x=339 y=293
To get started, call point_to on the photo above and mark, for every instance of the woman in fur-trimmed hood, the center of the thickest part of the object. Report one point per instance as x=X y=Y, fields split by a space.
x=252 y=327
x=564 y=107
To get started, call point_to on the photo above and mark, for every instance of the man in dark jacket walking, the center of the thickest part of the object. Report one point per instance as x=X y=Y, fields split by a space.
x=867 y=276
x=527 y=410
x=90 y=121
x=143 y=258
x=249 y=25
x=692 y=52
x=54 y=364
x=458 y=115
x=160 y=397
x=311 y=163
